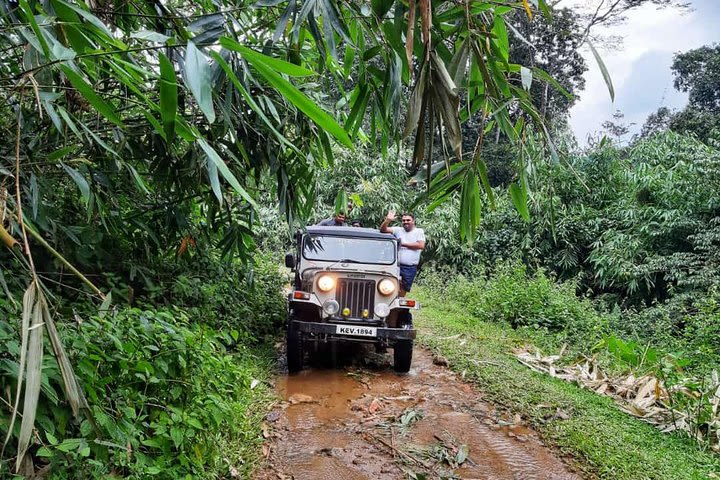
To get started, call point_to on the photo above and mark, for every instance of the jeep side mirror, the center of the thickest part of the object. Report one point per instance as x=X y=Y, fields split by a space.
x=290 y=261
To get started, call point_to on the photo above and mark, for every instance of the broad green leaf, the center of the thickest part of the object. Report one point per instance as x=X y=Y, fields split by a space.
x=197 y=79
x=150 y=36
x=341 y=202
x=168 y=97
x=87 y=91
x=381 y=7
x=470 y=207
x=139 y=182
x=518 y=194
x=482 y=170
x=275 y=63
x=30 y=17
x=105 y=306
x=302 y=102
x=215 y=181
x=80 y=181
x=604 y=71
x=224 y=170
x=89 y=17
x=501 y=36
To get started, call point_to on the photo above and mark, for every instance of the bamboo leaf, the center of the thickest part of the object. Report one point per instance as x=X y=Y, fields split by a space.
x=225 y=171
x=215 y=181
x=150 y=36
x=80 y=181
x=250 y=100
x=28 y=305
x=518 y=194
x=197 y=79
x=168 y=97
x=543 y=75
x=381 y=7
x=501 y=37
x=604 y=71
x=416 y=102
x=482 y=170
x=87 y=91
x=470 y=207
x=341 y=202
x=30 y=17
x=105 y=306
x=302 y=102
x=275 y=63
x=33 y=376
x=73 y=393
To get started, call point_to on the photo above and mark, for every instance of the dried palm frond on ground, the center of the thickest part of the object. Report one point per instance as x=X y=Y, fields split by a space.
x=646 y=397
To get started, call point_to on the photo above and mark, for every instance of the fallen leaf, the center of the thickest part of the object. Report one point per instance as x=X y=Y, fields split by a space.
x=254 y=383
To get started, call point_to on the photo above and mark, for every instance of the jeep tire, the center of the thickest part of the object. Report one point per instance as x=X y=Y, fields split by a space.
x=402 y=356
x=294 y=348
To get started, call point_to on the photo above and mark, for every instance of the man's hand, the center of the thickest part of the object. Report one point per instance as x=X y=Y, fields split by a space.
x=388 y=218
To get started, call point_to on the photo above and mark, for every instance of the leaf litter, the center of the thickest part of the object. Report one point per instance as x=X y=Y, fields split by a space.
x=645 y=397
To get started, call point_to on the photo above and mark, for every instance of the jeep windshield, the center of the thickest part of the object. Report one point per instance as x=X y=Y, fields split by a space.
x=348 y=249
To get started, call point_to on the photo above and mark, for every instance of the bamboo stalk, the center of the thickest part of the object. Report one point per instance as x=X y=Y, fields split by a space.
x=62 y=260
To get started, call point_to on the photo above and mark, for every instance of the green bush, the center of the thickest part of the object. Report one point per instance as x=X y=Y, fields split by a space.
x=514 y=296
x=167 y=399
x=243 y=301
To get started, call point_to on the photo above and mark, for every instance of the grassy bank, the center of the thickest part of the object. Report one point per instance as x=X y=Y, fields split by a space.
x=602 y=440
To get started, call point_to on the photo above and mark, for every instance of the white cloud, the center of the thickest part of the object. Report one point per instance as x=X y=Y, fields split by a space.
x=647 y=31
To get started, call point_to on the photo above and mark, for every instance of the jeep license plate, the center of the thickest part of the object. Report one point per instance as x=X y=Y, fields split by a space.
x=354 y=330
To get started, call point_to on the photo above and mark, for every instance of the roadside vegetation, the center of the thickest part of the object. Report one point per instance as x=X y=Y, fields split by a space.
x=176 y=377
x=594 y=434
x=158 y=157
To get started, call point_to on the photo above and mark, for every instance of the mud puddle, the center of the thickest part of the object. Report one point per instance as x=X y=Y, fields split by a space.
x=350 y=423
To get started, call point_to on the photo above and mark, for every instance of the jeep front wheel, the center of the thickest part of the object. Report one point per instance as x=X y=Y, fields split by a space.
x=294 y=347
x=402 y=355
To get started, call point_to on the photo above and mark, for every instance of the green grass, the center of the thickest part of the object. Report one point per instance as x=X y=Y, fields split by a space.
x=243 y=446
x=600 y=439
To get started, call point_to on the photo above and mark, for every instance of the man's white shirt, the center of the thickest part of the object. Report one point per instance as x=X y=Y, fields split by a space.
x=408 y=256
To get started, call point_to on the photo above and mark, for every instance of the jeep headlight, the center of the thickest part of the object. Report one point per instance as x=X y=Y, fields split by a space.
x=325 y=283
x=386 y=287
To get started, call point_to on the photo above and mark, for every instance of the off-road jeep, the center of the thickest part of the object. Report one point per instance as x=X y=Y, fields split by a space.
x=346 y=290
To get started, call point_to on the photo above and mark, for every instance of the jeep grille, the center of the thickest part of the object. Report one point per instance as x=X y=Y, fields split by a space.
x=356 y=295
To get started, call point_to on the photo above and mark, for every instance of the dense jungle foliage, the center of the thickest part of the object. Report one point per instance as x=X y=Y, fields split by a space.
x=159 y=155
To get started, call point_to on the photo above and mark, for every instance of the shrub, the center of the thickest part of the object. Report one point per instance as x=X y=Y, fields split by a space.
x=514 y=296
x=165 y=395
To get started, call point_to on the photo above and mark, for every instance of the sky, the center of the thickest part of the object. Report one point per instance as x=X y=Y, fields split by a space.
x=640 y=69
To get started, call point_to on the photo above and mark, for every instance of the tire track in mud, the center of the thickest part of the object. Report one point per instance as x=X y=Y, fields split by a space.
x=373 y=424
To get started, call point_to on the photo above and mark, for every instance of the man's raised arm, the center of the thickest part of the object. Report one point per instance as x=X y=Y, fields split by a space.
x=384 y=226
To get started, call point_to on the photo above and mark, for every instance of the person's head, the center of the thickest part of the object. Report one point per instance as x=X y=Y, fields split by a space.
x=408 y=221
x=356 y=223
x=340 y=218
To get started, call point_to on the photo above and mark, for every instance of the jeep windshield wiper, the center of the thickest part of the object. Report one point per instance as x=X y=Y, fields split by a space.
x=344 y=260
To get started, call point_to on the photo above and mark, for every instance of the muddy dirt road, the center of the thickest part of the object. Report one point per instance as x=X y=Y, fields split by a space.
x=349 y=423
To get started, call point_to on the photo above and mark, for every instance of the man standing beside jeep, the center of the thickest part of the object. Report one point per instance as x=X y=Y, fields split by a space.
x=412 y=242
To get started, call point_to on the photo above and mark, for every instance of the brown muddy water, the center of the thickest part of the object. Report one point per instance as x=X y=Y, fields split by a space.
x=369 y=423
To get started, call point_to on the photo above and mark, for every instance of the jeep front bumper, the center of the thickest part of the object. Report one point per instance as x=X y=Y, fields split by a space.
x=331 y=329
